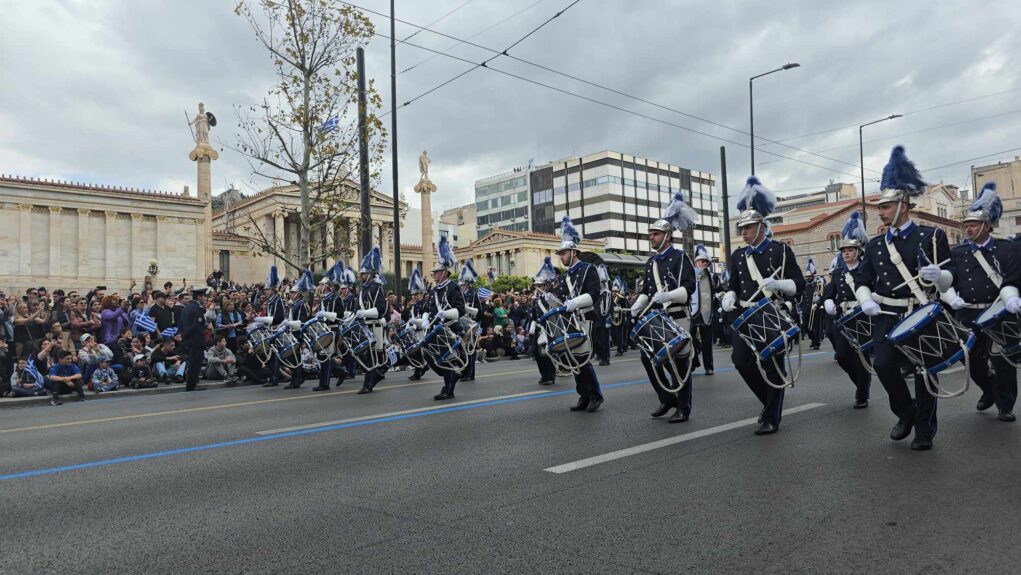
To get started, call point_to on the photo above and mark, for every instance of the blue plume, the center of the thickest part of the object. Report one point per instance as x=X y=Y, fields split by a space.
x=447 y=258
x=810 y=267
x=305 y=282
x=838 y=263
x=901 y=174
x=373 y=261
x=989 y=202
x=679 y=214
x=769 y=230
x=336 y=272
x=756 y=197
x=468 y=273
x=725 y=276
x=568 y=232
x=854 y=229
x=273 y=279
x=546 y=272
x=701 y=251
x=416 y=283
x=348 y=277
x=604 y=274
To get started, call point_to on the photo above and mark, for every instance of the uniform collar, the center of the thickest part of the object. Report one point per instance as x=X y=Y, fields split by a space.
x=757 y=249
x=902 y=232
x=443 y=284
x=664 y=253
x=983 y=246
x=575 y=266
x=852 y=268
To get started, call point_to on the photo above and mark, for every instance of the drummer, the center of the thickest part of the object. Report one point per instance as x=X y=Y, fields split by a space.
x=703 y=309
x=416 y=287
x=328 y=303
x=274 y=308
x=472 y=304
x=621 y=332
x=542 y=282
x=766 y=267
x=373 y=309
x=446 y=302
x=578 y=288
x=838 y=299
x=299 y=313
x=604 y=318
x=981 y=263
x=888 y=291
x=668 y=281
x=346 y=306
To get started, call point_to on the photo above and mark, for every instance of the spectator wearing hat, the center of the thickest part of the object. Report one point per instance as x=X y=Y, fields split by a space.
x=104 y=378
x=140 y=375
x=65 y=377
x=91 y=353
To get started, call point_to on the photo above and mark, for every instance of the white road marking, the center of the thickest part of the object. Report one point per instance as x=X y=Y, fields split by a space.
x=613 y=455
x=396 y=413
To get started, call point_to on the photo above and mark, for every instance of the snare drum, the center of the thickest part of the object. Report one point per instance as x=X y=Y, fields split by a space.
x=470 y=333
x=260 y=338
x=286 y=346
x=317 y=335
x=357 y=337
x=857 y=328
x=1002 y=327
x=765 y=328
x=563 y=330
x=411 y=346
x=931 y=339
x=444 y=348
x=660 y=338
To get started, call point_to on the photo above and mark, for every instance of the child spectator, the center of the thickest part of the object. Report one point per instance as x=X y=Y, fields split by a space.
x=26 y=382
x=141 y=374
x=65 y=377
x=104 y=378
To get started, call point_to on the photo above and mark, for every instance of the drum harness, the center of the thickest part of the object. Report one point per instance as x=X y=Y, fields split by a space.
x=915 y=283
x=846 y=306
x=792 y=372
x=673 y=364
x=997 y=279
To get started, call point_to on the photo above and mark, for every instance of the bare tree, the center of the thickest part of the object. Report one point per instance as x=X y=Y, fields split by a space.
x=304 y=133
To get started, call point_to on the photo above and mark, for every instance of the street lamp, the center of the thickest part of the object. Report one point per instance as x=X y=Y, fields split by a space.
x=751 y=110
x=861 y=160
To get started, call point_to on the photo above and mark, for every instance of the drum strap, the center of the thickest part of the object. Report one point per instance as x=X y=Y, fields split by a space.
x=995 y=277
x=753 y=269
x=898 y=261
x=705 y=294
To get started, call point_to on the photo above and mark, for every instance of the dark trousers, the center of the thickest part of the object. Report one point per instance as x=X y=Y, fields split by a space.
x=744 y=359
x=620 y=334
x=587 y=384
x=196 y=352
x=327 y=369
x=1001 y=382
x=702 y=336
x=373 y=377
x=601 y=340
x=888 y=361
x=449 y=376
x=469 y=369
x=274 y=369
x=679 y=399
x=547 y=371
x=58 y=387
x=850 y=362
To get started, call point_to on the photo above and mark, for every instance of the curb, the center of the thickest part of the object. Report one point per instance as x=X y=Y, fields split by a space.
x=18 y=402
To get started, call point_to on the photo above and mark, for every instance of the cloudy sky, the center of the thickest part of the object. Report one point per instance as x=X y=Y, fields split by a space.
x=95 y=90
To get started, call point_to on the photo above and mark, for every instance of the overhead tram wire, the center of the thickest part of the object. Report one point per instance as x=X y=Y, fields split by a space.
x=593 y=84
x=475 y=35
x=438 y=20
x=614 y=107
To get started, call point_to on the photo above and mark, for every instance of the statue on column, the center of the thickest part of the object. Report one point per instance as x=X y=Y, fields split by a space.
x=203 y=120
x=423 y=166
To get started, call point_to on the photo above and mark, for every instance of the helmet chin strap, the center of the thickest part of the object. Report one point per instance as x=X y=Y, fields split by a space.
x=662 y=242
x=896 y=215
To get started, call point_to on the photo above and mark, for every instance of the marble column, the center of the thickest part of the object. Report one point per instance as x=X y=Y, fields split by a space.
x=83 y=242
x=25 y=241
x=201 y=251
x=138 y=265
x=55 y=267
x=111 y=245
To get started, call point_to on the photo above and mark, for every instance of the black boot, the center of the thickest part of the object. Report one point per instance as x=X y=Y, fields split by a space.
x=661 y=410
x=582 y=404
x=678 y=417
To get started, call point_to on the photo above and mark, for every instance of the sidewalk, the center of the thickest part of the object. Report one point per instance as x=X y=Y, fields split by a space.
x=16 y=402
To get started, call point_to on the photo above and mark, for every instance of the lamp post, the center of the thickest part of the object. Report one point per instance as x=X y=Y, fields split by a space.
x=751 y=109
x=861 y=160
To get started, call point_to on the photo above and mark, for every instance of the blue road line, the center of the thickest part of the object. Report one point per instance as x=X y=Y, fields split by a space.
x=286 y=434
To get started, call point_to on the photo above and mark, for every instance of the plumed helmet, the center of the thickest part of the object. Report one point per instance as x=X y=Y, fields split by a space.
x=570 y=237
x=987 y=207
x=901 y=181
x=755 y=202
x=854 y=235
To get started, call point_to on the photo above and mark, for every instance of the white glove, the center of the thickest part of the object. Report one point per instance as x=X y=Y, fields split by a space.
x=729 y=302
x=661 y=297
x=425 y=319
x=570 y=305
x=870 y=308
x=640 y=303
x=1014 y=304
x=472 y=311
x=450 y=314
x=956 y=302
x=930 y=273
x=831 y=308
x=786 y=287
x=636 y=309
x=360 y=314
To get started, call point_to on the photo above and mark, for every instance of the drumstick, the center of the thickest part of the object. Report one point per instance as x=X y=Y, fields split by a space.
x=906 y=282
x=776 y=271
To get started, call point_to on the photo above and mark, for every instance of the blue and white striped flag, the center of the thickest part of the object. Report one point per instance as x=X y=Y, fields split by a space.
x=145 y=323
x=391 y=352
x=484 y=293
x=331 y=124
x=169 y=332
x=33 y=370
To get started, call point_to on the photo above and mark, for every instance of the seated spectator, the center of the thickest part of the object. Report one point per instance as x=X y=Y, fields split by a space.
x=65 y=377
x=26 y=382
x=249 y=366
x=5 y=378
x=221 y=363
x=91 y=353
x=502 y=340
x=485 y=343
x=104 y=378
x=140 y=374
x=228 y=321
x=168 y=364
x=521 y=340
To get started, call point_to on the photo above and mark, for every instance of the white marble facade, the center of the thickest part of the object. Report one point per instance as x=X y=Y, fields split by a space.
x=74 y=236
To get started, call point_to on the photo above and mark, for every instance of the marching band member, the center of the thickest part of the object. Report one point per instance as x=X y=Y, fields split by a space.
x=982 y=262
x=578 y=288
x=274 y=308
x=668 y=283
x=752 y=271
x=472 y=305
x=811 y=321
x=299 y=313
x=703 y=309
x=892 y=259
x=542 y=281
x=604 y=318
x=621 y=330
x=446 y=302
x=839 y=299
x=373 y=309
x=416 y=287
x=346 y=306
x=328 y=303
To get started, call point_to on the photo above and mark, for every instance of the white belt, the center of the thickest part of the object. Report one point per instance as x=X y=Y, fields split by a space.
x=894 y=301
x=977 y=305
x=848 y=305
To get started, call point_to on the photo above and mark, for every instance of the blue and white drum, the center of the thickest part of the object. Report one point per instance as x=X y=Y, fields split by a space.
x=766 y=328
x=260 y=337
x=660 y=338
x=857 y=328
x=357 y=337
x=317 y=335
x=563 y=330
x=410 y=344
x=444 y=347
x=1002 y=327
x=286 y=346
x=931 y=339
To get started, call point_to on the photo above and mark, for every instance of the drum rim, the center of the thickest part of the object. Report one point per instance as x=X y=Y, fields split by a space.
x=561 y=338
x=847 y=317
x=552 y=312
x=778 y=343
x=928 y=313
x=988 y=322
x=659 y=358
x=746 y=314
x=957 y=357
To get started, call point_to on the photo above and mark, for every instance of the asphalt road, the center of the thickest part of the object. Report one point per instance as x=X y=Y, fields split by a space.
x=254 y=480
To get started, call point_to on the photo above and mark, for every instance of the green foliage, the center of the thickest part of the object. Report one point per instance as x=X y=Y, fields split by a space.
x=504 y=284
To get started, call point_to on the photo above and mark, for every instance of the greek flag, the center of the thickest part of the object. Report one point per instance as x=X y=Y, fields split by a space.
x=33 y=370
x=391 y=353
x=485 y=293
x=330 y=125
x=169 y=332
x=145 y=323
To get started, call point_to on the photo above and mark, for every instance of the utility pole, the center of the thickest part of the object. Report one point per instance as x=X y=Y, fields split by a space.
x=365 y=243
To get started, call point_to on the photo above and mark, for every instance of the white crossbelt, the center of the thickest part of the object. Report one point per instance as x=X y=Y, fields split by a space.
x=909 y=279
x=995 y=277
